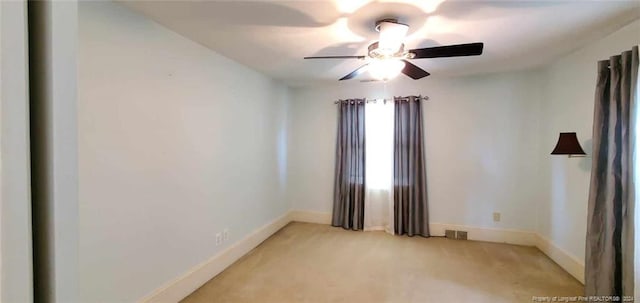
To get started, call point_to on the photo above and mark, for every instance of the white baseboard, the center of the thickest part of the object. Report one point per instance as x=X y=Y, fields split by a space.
x=510 y=236
x=184 y=285
x=437 y=229
x=310 y=217
x=571 y=264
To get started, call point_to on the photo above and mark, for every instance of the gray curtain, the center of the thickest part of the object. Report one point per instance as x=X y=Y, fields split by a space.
x=411 y=215
x=609 y=249
x=348 y=192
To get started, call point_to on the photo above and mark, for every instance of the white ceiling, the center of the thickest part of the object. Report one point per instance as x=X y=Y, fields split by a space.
x=273 y=36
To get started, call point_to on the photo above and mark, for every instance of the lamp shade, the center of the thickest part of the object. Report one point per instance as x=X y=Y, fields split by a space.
x=568 y=145
x=391 y=36
x=385 y=69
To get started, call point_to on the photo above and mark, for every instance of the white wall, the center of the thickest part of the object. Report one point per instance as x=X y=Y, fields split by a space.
x=481 y=137
x=567 y=103
x=16 y=275
x=175 y=143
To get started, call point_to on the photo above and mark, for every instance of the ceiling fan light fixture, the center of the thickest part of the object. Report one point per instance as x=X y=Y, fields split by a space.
x=386 y=69
x=387 y=57
x=392 y=36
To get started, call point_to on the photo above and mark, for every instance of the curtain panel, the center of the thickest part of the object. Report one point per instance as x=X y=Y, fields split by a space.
x=349 y=184
x=411 y=214
x=609 y=262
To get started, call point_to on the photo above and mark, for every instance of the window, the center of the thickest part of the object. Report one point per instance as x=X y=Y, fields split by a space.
x=378 y=203
x=379 y=144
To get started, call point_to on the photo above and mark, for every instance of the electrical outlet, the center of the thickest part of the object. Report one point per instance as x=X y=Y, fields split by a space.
x=450 y=234
x=225 y=235
x=496 y=217
x=218 y=239
x=461 y=235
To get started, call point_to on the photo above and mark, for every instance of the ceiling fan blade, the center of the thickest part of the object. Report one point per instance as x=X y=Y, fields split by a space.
x=413 y=71
x=355 y=73
x=335 y=57
x=469 y=49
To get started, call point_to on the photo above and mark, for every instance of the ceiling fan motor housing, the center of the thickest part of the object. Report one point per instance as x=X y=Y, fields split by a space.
x=386 y=20
x=375 y=53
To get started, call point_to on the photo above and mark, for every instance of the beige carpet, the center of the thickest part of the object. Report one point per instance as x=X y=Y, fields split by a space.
x=318 y=263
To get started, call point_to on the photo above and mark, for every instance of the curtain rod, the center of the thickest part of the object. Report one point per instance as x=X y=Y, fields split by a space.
x=419 y=98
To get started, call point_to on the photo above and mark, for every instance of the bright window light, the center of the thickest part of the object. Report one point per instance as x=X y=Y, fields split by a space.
x=379 y=145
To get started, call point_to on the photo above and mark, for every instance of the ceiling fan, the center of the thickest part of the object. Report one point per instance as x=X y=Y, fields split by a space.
x=388 y=58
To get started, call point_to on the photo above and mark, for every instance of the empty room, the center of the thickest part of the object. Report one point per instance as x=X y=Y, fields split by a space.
x=319 y=151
